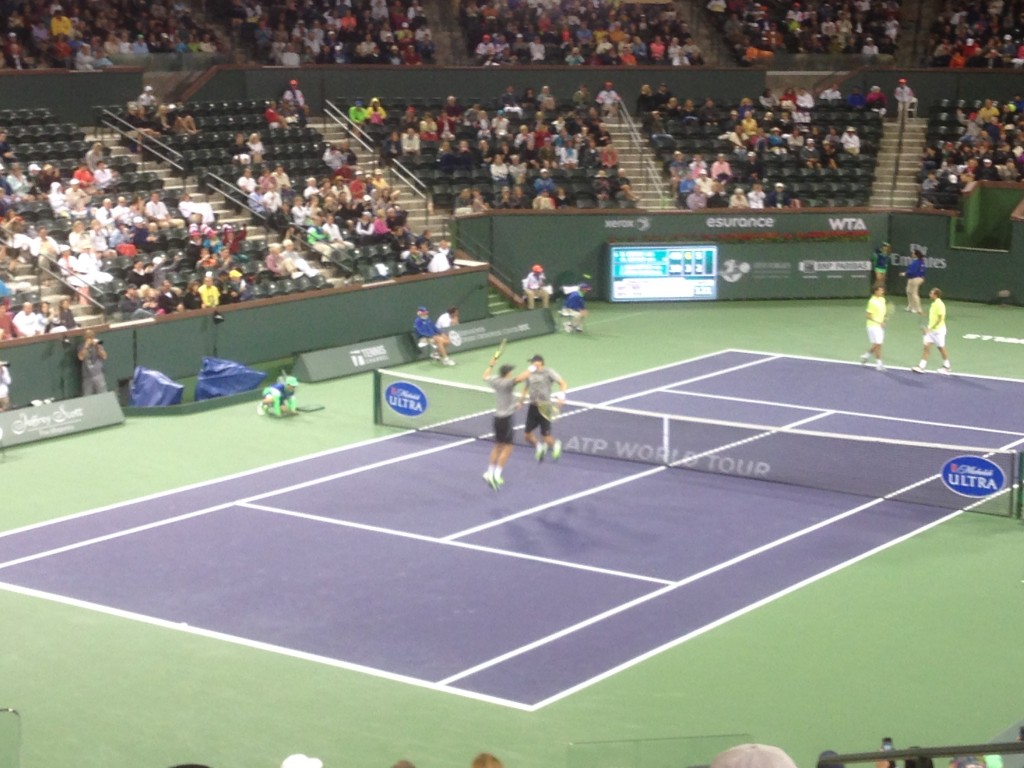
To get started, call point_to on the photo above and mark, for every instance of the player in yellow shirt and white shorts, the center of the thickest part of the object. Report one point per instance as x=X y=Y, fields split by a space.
x=877 y=312
x=935 y=333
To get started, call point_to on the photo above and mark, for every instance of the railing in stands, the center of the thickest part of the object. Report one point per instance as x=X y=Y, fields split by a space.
x=44 y=269
x=238 y=198
x=921 y=756
x=397 y=169
x=902 y=127
x=650 y=174
x=148 y=145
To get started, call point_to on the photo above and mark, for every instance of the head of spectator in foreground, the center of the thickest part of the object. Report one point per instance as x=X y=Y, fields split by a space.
x=301 y=761
x=486 y=759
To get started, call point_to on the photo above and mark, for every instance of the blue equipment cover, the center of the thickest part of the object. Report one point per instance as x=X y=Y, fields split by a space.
x=152 y=388
x=225 y=377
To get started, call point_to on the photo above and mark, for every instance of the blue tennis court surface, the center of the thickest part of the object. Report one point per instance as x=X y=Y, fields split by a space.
x=395 y=558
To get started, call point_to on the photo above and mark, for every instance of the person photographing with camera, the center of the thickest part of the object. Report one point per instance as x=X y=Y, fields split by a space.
x=92 y=355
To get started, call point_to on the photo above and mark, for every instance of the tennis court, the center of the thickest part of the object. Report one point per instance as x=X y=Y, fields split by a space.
x=393 y=557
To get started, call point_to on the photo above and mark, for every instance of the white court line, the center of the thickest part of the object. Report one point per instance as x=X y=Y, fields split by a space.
x=326 y=452
x=459 y=544
x=760 y=550
x=776 y=404
x=736 y=614
x=344 y=665
x=857 y=363
x=225 y=505
x=257 y=645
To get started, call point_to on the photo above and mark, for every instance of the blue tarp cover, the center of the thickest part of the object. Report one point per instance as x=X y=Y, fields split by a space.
x=218 y=378
x=152 y=388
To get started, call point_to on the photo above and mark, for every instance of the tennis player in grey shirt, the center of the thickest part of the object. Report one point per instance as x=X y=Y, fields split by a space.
x=503 y=384
x=543 y=407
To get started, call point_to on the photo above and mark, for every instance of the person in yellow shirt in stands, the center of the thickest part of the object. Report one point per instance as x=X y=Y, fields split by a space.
x=209 y=291
x=935 y=333
x=876 y=314
x=60 y=24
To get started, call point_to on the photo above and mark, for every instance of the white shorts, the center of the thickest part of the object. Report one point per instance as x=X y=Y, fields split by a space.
x=876 y=334
x=938 y=338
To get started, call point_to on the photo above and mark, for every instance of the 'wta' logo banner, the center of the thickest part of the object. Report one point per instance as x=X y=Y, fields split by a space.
x=973 y=476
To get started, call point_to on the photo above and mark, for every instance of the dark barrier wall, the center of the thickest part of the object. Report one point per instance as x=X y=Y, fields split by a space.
x=986 y=214
x=724 y=85
x=250 y=333
x=342 y=84
x=962 y=273
x=933 y=85
x=69 y=95
x=575 y=243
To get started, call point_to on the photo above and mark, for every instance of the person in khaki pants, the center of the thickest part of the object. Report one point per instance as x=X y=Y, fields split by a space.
x=915 y=273
x=535 y=285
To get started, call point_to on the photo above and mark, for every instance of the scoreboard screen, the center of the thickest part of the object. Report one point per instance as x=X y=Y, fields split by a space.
x=652 y=272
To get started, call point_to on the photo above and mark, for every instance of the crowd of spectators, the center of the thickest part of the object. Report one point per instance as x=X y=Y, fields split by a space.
x=576 y=33
x=136 y=253
x=808 y=133
x=987 y=34
x=294 y=34
x=756 y=31
x=982 y=141
x=91 y=35
x=518 y=150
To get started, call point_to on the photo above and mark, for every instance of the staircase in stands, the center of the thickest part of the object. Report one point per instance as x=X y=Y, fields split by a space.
x=904 y=193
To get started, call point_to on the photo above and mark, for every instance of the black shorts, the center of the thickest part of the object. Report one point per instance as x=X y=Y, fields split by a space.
x=535 y=421
x=503 y=430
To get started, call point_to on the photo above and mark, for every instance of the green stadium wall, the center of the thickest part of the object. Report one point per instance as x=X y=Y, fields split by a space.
x=250 y=333
x=779 y=265
x=71 y=96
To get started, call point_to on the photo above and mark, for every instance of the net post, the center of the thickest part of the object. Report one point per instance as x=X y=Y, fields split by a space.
x=1019 y=490
x=377 y=417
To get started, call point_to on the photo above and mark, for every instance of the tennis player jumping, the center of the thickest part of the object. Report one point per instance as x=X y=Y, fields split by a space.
x=503 y=384
x=935 y=333
x=543 y=407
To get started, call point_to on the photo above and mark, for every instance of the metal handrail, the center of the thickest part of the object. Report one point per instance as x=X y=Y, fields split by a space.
x=649 y=172
x=396 y=167
x=339 y=117
x=899 y=153
x=43 y=268
x=122 y=127
x=235 y=195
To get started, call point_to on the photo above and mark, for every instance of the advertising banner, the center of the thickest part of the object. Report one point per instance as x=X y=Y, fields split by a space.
x=65 y=417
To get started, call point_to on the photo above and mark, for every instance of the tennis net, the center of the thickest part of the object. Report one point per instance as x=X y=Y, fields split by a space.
x=985 y=477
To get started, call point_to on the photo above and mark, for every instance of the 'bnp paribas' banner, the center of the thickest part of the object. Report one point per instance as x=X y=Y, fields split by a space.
x=56 y=419
x=763 y=254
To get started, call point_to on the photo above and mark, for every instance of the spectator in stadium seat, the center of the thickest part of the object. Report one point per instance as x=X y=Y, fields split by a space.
x=851 y=141
x=608 y=100
x=876 y=101
x=738 y=199
x=779 y=197
x=27 y=322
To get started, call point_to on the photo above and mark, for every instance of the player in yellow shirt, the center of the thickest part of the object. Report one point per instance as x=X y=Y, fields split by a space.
x=935 y=333
x=877 y=311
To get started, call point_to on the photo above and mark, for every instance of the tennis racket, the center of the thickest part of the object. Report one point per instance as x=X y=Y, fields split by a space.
x=549 y=409
x=500 y=349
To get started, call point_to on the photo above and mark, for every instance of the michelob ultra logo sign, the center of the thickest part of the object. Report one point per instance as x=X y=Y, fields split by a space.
x=406 y=399
x=973 y=476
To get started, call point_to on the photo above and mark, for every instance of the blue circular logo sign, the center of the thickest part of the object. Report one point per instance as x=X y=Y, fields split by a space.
x=973 y=476
x=406 y=399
